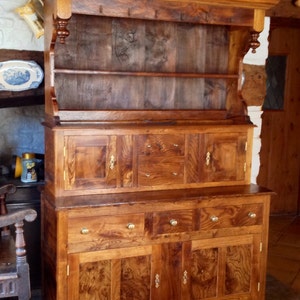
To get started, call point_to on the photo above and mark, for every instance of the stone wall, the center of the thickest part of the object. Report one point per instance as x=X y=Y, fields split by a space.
x=21 y=131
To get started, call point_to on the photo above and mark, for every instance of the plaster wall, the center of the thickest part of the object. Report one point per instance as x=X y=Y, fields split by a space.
x=255 y=112
x=14 y=32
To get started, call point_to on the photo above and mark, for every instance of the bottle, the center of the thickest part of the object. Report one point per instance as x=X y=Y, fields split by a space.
x=28 y=168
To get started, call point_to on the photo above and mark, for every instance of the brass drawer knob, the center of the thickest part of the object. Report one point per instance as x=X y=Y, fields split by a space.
x=252 y=215
x=84 y=230
x=130 y=226
x=214 y=218
x=173 y=222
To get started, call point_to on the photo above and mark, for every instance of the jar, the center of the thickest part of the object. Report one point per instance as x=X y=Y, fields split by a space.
x=28 y=168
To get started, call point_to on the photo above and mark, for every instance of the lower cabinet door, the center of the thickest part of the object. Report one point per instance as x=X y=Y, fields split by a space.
x=225 y=268
x=218 y=268
x=110 y=274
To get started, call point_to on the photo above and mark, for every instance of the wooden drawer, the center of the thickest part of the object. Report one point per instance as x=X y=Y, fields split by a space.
x=160 y=170
x=231 y=216
x=161 y=144
x=167 y=222
x=104 y=231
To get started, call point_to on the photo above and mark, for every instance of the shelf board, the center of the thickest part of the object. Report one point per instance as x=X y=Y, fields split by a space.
x=22 y=101
x=146 y=74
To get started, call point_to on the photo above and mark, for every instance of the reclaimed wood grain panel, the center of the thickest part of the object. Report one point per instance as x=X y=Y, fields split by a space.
x=124 y=45
x=280 y=162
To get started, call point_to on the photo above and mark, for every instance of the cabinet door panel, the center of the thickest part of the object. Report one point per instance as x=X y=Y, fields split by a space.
x=225 y=268
x=90 y=274
x=204 y=272
x=90 y=162
x=111 y=275
x=135 y=278
x=224 y=157
x=238 y=269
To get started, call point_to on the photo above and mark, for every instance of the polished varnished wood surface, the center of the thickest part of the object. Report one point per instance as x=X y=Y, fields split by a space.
x=98 y=238
x=130 y=199
x=279 y=169
x=128 y=158
x=283 y=265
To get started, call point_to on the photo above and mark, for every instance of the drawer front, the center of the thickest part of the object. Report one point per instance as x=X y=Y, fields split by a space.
x=160 y=170
x=101 y=229
x=161 y=144
x=167 y=222
x=231 y=216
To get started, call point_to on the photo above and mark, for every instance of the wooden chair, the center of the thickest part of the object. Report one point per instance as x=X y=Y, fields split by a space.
x=14 y=269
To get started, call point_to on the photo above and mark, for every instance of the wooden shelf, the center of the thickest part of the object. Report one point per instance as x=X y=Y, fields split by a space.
x=146 y=74
x=28 y=97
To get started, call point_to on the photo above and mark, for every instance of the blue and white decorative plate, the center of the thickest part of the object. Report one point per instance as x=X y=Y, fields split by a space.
x=20 y=75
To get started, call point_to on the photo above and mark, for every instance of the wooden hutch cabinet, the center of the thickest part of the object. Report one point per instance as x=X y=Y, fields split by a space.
x=148 y=152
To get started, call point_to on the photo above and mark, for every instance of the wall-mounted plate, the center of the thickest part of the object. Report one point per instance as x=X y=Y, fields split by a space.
x=20 y=75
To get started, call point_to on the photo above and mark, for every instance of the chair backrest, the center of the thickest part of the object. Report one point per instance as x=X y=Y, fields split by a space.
x=14 y=269
x=4 y=190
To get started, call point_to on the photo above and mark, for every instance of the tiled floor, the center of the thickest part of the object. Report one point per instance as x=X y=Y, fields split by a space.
x=284 y=250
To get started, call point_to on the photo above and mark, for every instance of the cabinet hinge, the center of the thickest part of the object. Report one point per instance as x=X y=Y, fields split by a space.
x=258 y=286
x=68 y=270
x=260 y=246
x=245 y=167
x=246 y=146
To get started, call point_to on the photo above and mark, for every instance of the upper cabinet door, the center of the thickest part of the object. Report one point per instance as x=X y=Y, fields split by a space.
x=90 y=162
x=224 y=157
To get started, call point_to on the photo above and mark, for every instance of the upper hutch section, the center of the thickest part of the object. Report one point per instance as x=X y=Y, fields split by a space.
x=154 y=59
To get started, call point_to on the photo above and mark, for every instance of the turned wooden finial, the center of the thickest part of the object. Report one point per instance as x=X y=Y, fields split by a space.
x=61 y=29
x=254 y=42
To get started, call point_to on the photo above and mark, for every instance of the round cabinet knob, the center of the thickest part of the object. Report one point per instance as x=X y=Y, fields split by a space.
x=214 y=218
x=130 y=226
x=173 y=222
x=252 y=215
x=84 y=230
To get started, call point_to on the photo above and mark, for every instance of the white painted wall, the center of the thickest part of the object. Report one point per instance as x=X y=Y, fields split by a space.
x=14 y=32
x=255 y=112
